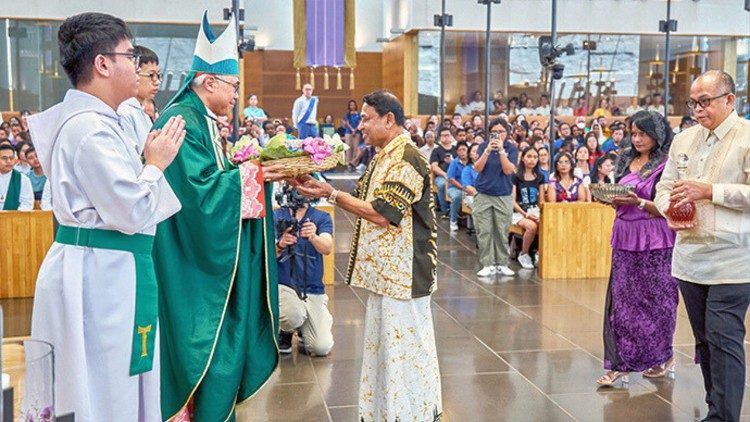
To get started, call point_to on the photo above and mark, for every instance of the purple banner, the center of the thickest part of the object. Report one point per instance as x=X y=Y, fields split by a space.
x=325 y=32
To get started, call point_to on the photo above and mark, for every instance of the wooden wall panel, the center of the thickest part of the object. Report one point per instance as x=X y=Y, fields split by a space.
x=270 y=75
x=574 y=240
x=393 y=66
x=24 y=239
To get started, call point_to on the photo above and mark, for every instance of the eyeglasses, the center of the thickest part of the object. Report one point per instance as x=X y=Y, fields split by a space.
x=7 y=158
x=235 y=85
x=704 y=102
x=154 y=76
x=134 y=57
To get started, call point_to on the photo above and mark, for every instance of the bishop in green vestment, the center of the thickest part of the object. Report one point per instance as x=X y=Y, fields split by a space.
x=215 y=259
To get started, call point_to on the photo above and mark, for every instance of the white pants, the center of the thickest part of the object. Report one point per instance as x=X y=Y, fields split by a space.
x=311 y=317
x=400 y=375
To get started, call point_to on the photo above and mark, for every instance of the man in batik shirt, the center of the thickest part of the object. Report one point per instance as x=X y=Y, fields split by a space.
x=394 y=257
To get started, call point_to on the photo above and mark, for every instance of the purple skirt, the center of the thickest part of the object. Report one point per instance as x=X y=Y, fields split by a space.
x=641 y=310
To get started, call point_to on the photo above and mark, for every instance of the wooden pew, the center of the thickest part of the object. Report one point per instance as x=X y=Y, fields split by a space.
x=25 y=237
x=574 y=240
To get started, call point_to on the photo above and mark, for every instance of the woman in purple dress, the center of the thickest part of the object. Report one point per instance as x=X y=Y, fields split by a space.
x=640 y=312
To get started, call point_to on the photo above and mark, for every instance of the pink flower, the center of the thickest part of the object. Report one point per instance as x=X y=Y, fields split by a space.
x=317 y=148
x=247 y=153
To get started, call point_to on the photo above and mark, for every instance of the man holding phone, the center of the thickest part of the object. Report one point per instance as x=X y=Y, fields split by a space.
x=493 y=206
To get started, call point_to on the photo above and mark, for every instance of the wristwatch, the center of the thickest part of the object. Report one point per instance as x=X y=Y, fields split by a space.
x=642 y=204
x=332 y=197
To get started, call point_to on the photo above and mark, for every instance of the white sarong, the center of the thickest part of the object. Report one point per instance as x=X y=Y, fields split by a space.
x=400 y=375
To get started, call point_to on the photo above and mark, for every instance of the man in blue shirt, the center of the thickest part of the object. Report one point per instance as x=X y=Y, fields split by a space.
x=614 y=144
x=36 y=174
x=455 y=188
x=303 y=304
x=493 y=206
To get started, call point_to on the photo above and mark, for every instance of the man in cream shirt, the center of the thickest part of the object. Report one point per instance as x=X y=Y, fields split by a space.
x=711 y=253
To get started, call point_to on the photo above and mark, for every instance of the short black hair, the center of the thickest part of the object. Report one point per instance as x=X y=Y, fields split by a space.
x=20 y=145
x=462 y=144
x=496 y=122
x=443 y=129
x=147 y=55
x=460 y=129
x=384 y=102
x=7 y=147
x=457 y=114
x=83 y=37
x=30 y=150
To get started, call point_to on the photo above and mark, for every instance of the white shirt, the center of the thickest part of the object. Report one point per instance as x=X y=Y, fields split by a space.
x=299 y=109
x=135 y=122
x=23 y=168
x=526 y=111
x=461 y=109
x=46 y=204
x=564 y=111
x=659 y=109
x=27 y=193
x=542 y=111
x=477 y=105
x=716 y=252
x=426 y=151
x=632 y=110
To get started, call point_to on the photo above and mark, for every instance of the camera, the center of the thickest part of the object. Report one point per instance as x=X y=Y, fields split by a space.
x=289 y=197
x=283 y=225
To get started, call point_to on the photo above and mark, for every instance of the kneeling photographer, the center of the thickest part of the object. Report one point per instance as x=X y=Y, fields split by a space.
x=304 y=235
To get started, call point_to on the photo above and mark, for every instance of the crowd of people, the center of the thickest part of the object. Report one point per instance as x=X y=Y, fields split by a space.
x=495 y=174
x=525 y=105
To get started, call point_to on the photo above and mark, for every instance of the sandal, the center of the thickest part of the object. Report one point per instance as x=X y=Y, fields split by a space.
x=611 y=377
x=665 y=369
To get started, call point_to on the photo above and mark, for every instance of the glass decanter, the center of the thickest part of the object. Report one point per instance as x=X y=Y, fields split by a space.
x=686 y=212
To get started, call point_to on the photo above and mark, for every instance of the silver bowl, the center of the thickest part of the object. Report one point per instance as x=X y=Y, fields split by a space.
x=608 y=191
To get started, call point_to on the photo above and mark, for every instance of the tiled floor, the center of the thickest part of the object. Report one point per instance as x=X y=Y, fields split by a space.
x=510 y=349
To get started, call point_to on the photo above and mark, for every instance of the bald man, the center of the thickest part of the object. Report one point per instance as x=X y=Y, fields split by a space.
x=711 y=253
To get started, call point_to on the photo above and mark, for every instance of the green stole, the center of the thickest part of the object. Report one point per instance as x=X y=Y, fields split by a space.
x=218 y=291
x=146 y=301
x=13 y=197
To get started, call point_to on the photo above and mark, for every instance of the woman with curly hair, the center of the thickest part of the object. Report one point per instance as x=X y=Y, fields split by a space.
x=641 y=306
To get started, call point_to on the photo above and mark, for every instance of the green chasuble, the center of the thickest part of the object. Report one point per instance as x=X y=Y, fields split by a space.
x=13 y=196
x=218 y=292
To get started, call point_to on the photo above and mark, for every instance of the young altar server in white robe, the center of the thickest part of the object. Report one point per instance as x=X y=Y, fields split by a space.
x=96 y=296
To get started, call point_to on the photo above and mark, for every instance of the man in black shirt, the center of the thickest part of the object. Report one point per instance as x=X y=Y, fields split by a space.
x=440 y=159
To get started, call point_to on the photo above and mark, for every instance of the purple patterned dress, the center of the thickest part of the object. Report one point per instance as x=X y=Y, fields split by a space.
x=640 y=313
